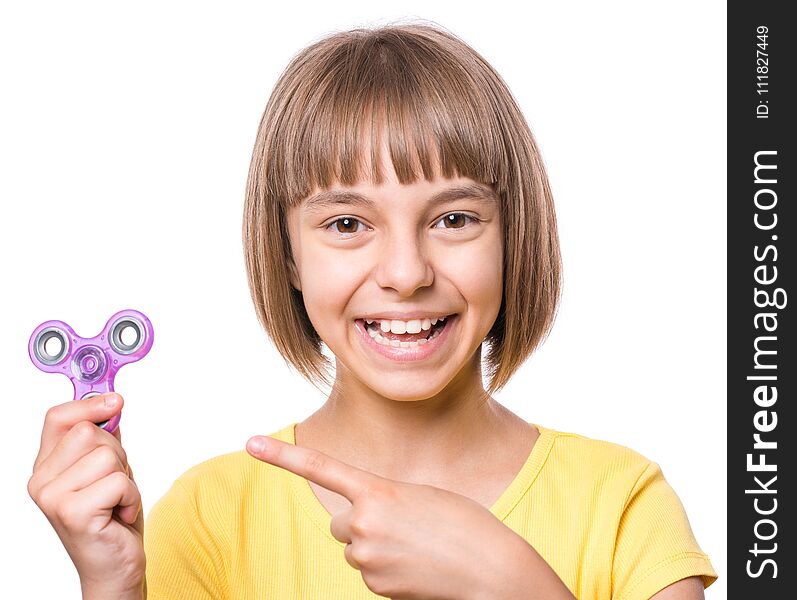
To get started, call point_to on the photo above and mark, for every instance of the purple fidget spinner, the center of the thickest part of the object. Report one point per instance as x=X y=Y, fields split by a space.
x=92 y=363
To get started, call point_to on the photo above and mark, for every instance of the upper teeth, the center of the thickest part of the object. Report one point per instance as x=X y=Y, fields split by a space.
x=413 y=326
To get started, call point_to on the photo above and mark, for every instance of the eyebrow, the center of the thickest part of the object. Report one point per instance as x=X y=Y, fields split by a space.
x=330 y=198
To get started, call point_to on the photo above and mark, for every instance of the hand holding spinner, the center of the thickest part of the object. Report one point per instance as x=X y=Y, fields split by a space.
x=92 y=363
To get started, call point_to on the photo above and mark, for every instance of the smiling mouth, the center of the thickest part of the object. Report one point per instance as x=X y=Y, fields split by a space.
x=376 y=329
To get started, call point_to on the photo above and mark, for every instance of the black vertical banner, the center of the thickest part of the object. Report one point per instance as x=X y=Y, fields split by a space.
x=762 y=439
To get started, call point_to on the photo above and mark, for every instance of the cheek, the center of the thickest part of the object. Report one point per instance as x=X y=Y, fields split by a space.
x=478 y=274
x=482 y=284
x=330 y=273
x=327 y=286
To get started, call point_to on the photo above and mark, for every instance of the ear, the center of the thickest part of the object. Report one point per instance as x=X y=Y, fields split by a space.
x=294 y=275
x=287 y=221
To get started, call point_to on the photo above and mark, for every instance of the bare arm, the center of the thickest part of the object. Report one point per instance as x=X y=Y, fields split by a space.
x=690 y=588
x=536 y=579
x=527 y=576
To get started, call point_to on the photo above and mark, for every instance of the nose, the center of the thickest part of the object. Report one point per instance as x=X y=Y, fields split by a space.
x=404 y=265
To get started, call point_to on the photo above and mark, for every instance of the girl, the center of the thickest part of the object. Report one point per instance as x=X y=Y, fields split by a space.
x=398 y=211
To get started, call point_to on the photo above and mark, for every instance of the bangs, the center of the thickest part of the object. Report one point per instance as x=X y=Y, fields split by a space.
x=433 y=117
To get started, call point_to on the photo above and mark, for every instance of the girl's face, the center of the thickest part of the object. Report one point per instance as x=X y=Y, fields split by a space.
x=397 y=254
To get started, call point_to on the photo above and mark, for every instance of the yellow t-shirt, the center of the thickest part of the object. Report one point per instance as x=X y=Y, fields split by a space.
x=600 y=514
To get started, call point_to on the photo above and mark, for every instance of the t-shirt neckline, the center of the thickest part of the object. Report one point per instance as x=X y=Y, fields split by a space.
x=501 y=508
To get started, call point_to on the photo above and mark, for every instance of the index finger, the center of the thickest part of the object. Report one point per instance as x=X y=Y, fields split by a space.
x=320 y=468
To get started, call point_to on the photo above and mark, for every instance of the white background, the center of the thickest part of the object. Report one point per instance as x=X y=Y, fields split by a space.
x=125 y=138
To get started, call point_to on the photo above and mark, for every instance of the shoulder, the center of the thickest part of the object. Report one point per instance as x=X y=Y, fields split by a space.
x=595 y=462
x=595 y=452
x=207 y=500
x=628 y=501
x=192 y=530
x=228 y=475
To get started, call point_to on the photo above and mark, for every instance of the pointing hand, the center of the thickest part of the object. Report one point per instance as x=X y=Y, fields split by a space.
x=407 y=540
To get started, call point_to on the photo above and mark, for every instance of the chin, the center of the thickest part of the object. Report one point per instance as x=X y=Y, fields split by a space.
x=397 y=388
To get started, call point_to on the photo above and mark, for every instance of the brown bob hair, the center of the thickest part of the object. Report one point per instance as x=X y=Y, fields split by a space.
x=441 y=105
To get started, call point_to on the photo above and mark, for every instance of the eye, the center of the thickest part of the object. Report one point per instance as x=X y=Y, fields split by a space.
x=455 y=219
x=346 y=223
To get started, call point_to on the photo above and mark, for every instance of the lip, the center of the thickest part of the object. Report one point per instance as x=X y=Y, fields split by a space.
x=406 y=354
x=404 y=316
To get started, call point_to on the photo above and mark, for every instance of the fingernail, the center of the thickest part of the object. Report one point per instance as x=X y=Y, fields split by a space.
x=257 y=444
x=111 y=400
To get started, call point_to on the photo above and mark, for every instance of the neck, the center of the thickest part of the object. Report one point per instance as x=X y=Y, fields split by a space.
x=408 y=440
